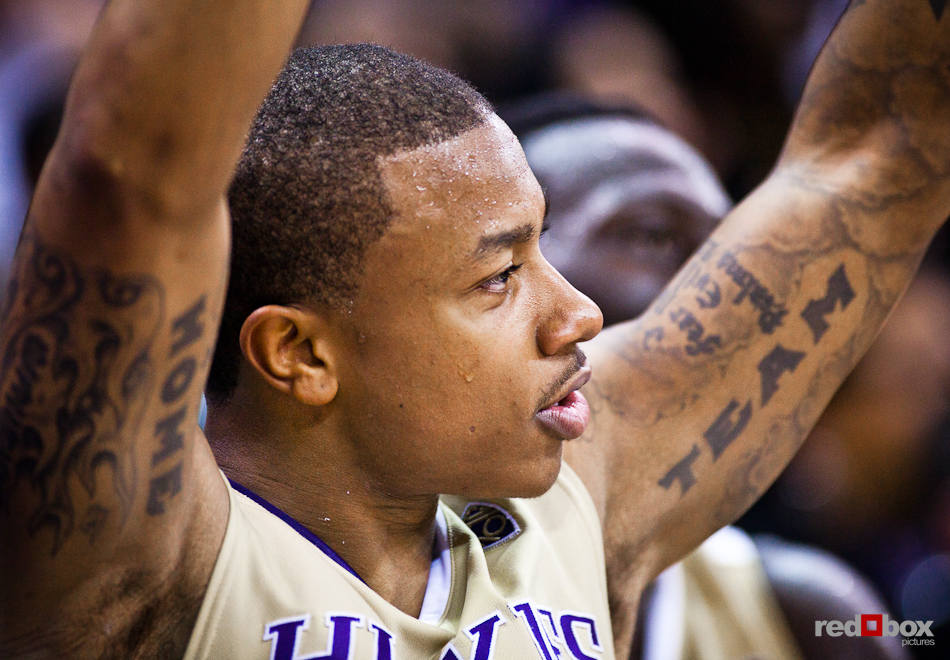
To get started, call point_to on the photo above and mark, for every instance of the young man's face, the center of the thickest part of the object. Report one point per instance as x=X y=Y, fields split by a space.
x=455 y=361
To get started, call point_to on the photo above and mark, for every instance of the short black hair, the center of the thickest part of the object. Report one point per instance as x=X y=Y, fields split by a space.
x=532 y=113
x=307 y=198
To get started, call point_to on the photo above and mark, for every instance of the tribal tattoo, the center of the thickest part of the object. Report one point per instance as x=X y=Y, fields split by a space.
x=76 y=371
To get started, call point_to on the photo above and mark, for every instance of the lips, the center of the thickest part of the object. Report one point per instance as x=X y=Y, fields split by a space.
x=568 y=417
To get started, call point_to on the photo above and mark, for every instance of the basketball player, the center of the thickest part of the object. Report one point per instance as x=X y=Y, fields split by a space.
x=392 y=332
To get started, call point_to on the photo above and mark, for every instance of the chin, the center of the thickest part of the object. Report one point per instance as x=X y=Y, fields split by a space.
x=532 y=481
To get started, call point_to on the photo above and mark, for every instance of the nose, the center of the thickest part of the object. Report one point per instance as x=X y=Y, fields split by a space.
x=569 y=317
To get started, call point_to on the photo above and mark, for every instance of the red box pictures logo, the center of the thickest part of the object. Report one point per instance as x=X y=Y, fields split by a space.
x=915 y=633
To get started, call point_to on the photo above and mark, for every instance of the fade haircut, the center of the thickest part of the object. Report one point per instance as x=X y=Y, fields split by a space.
x=307 y=198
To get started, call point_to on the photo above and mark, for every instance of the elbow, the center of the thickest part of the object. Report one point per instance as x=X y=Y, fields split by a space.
x=119 y=182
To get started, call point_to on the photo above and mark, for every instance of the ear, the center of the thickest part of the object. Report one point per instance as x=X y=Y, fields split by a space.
x=290 y=347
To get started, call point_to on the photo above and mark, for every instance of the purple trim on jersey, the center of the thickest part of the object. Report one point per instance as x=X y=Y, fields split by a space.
x=296 y=526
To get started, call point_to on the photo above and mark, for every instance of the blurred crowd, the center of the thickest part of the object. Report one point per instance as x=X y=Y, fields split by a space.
x=872 y=484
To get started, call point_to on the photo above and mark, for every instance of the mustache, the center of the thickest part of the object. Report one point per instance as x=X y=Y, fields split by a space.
x=578 y=360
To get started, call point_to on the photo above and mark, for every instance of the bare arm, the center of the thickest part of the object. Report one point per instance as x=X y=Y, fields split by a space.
x=109 y=497
x=701 y=402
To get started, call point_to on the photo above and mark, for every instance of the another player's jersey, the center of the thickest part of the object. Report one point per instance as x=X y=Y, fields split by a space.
x=526 y=579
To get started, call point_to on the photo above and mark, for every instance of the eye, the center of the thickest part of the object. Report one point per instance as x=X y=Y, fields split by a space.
x=499 y=283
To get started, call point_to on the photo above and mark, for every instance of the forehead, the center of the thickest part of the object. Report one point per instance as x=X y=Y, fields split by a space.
x=575 y=157
x=451 y=194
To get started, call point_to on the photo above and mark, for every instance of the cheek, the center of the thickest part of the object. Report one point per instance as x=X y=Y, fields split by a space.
x=478 y=384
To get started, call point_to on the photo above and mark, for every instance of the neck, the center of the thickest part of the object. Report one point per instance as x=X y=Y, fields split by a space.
x=387 y=540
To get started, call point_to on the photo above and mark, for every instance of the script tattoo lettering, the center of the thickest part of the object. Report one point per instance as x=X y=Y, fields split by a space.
x=682 y=472
x=839 y=291
x=771 y=312
x=692 y=277
x=187 y=329
x=75 y=374
x=710 y=296
x=695 y=333
x=652 y=337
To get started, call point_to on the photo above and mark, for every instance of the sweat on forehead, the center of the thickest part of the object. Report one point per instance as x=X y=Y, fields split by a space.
x=483 y=158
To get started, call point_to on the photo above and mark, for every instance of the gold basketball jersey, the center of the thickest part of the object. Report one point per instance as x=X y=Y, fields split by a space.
x=526 y=580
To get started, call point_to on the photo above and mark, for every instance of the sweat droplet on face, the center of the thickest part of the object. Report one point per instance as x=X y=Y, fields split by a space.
x=466 y=376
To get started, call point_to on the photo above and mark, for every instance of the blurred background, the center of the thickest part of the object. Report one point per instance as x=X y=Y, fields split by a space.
x=872 y=484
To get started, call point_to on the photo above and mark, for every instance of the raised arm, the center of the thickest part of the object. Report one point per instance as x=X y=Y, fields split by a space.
x=110 y=504
x=700 y=403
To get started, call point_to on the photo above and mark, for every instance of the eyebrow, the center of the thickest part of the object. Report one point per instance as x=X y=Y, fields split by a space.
x=503 y=239
x=492 y=243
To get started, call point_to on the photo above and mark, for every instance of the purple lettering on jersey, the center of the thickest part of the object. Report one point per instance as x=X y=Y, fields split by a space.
x=483 y=636
x=550 y=631
x=284 y=636
x=568 y=621
x=384 y=643
x=449 y=653
x=340 y=642
x=526 y=612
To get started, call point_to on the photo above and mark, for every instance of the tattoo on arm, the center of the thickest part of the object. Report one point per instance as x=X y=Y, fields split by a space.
x=770 y=312
x=709 y=296
x=725 y=429
x=777 y=362
x=78 y=370
x=839 y=293
x=698 y=341
x=682 y=472
x=166 y=482
x=734 y=417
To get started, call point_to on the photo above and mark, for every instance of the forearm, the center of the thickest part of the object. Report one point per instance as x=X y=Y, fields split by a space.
x=872 y=124
x=165 y=91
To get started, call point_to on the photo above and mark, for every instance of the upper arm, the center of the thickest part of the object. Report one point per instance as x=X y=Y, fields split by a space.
x=105 y=341
x=106 y=333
